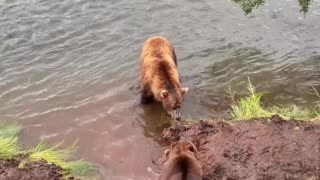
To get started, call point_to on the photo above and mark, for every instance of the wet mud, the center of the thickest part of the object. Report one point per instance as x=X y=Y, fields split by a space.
x=260 y=149
x=10 y=170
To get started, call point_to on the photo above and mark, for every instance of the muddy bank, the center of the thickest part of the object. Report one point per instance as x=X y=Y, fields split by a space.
x=10 y=170
x=267 y=148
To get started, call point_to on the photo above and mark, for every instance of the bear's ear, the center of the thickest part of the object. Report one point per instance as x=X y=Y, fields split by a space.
x=184 y=90
x=192 y=148
x=164 y=94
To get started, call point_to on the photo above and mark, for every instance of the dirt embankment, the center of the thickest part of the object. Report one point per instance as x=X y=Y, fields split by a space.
x=10 y=170
x=260 y=149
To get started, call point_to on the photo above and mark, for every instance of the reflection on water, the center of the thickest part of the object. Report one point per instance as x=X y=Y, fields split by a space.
x=304 y=5
x=70 y=69
x=248 y=5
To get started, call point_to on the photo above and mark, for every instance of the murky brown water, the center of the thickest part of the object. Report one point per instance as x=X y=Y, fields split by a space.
x=69 y=69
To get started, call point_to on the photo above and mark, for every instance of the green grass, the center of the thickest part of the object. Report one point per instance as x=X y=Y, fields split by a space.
x=79 y=168
x=250 y=107
x=51 y=154
x=9 y=146
x=61 y=157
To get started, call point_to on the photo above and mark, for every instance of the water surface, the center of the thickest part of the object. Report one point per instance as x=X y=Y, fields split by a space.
x=70 y=69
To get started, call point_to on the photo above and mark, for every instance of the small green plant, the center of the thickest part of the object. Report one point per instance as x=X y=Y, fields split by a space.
x=9 y=146
x=51 y=154
x=250 y=107
x=295 y=112
x=79 y=168
x=60 y=157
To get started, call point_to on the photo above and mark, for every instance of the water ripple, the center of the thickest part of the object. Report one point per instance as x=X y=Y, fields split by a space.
x=65 y=63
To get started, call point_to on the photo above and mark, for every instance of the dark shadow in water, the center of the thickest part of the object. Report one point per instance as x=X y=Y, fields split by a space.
x=153 y=120
x=248 y=5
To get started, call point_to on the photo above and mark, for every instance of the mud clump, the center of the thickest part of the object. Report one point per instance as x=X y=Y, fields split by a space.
x=261 y=149
x=41 y=170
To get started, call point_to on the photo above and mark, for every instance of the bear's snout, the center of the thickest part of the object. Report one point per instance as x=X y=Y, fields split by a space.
x=175 y=114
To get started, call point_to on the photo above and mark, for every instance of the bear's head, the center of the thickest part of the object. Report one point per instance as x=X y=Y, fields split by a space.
x=172 y=101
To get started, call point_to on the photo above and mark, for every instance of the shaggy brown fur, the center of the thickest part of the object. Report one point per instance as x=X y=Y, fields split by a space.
x=181 y=163
x=159 y=75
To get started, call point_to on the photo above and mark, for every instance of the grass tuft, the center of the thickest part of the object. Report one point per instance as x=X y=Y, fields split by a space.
x=60 y=157
x=250 y=107
x=51 y=154
x=79 y=168
x=9 y=146
x=295 y=112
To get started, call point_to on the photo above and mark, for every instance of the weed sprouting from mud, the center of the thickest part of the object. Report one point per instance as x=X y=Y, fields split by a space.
x=251 y=107
x=9 y=146
x=51 y=154
x=60 y=158
x=79 y=168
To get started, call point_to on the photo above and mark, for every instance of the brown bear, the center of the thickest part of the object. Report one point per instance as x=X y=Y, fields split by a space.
x=159 y=76
x=181 y=163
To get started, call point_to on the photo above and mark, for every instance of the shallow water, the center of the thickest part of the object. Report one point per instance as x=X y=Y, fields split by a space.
x=70 y=69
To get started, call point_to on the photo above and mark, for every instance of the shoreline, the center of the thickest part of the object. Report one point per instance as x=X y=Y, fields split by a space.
x=40 y=162
x=260 y=148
